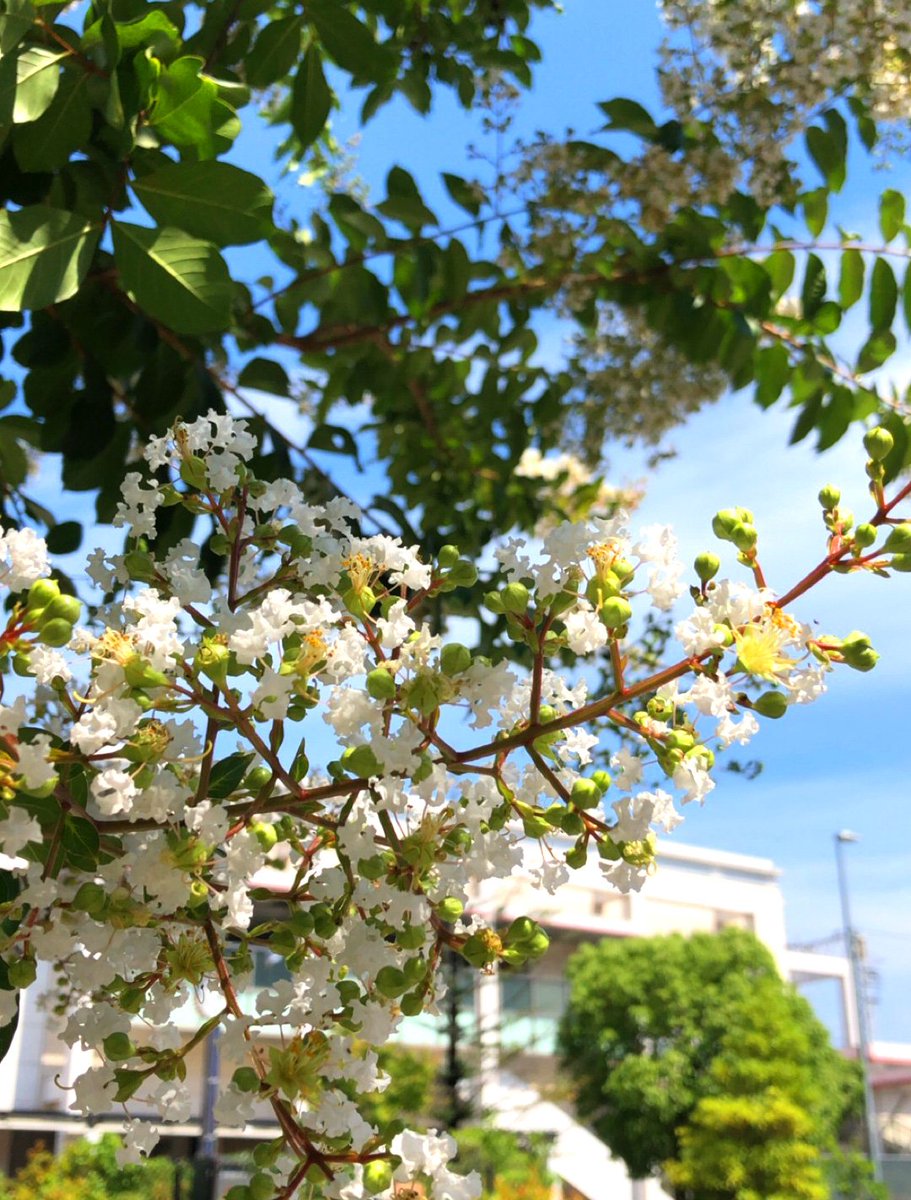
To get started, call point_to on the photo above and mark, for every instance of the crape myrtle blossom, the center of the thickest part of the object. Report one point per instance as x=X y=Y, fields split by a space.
x=156 y=790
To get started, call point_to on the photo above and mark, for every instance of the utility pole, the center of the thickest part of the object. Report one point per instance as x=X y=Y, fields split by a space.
x=858 y=979
x=205 y=1162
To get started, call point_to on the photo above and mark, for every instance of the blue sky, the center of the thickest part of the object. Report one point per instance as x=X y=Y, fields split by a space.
x=838 y=763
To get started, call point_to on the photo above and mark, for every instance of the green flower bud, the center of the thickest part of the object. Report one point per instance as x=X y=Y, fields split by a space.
x=261 y=1186
x=450 y=909
x=878 y=443
x=257 y=778
x=193 y=472
x=448 y=557
x=463 y=574
x=901 y=562
x=117 y=1047
x=680 y=739
x=615 y=612
x=455 y=658
x=521 y=930
x=858 y=652
x=140 y=674
x=515 y=598
x=723 y=522
x=212 y=660
x=865 y=535
x=391 y=982
x=245 y=1079
x=585 y=794
x=743 y=536
x=771 y=704
x=41 y=593
x=899 y=539
x=601 y=588
x=412 y=1003
x=91 y=898
x=381 y=684
x=493 y=602
x=829 y=497
x=22 y=972
x=707 y=566
x=56 y=633
x=537 y=945
x=359 y=601
x=65 y=608
x=602 y=779
x=576 y=858
x=377 y=1176
x=265 y=834
x=570 y=822
x=362 y=762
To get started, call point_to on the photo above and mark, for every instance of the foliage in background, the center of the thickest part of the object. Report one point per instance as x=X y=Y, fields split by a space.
x=87 y=1170
x=693 y=1056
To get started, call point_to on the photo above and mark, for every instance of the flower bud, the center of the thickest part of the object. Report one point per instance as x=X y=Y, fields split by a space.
x=455 y=658
x=245 y=1079
x=771 y=704
x=412 y=1004
x=41 y=593
x=91 y=898
x=391 y=982
x=360 y=601
x=829 y=497
x=362 y=762
x=858 y=653
x=514 y=598
x=900 y=562
x=56 y=633
x=602 y=779
x=493 y=602
x=865 y=535
x=64 y=608
x=117 y=1047
x=878 y=443
x=450 y=909
x=521 y=930
x=212 y=661
x=707 y=566
x=448 y=557
x=743 y=536
x=380 y=684
x=615 y=612
x=140 y=674
x=577 y=857
x=899 y=539
x=261 y=1186
x=265 y=834
x=257 y=778
x=463 y=574
x=377 y=1177
x=585 y=794
x=193 y=472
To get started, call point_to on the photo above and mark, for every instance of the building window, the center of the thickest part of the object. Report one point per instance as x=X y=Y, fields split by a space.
x=737 y=920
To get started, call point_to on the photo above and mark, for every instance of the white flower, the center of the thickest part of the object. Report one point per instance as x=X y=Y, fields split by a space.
x=585 y=631
x=24 y=558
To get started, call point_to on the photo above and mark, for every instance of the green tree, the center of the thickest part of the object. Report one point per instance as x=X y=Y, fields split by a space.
x=708 y=1065
x=671 y=243
x=89 y=1171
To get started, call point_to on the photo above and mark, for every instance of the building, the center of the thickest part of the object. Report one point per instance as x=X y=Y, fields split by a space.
x=510 y=1020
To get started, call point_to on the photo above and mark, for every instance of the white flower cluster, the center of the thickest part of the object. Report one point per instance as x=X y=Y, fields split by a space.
x=170 y=824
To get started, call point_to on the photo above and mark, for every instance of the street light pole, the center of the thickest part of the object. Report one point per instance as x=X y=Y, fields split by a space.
x=852 y=945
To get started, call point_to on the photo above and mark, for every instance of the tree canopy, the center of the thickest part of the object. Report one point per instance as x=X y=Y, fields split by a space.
x=688 y=250
x=693 y=1057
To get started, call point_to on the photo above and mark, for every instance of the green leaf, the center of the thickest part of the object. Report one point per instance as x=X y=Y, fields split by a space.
x=311 y=99
x=177 y=279
x=15 y=24
x=264 y=375
x=816 y=210
x=814 y=286
x=876 y=350
x=227 y=774
x=335 y=439
x=404 y=202
x=467 y=195
x=891 y=213
x=37 y=80
x=851 y=279
x=187 y=111
x=773 y=370
x=828 y=153
x=80 y=841
x=7 y=1032
x=211 y=200
x=274 y=52
x=883 y=296
x=44 y=255
x=66 y=126
x=153 y=29
x=346 y=40
x=630 y=116
x=64 y=538
x=780 y=269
